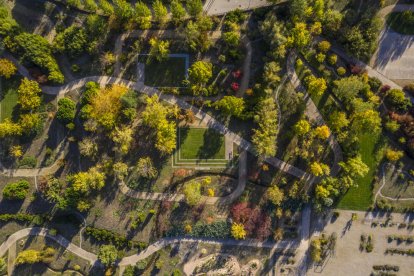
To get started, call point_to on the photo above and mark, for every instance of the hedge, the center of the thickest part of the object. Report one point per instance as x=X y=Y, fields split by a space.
x=22 y=217
x=114 y=238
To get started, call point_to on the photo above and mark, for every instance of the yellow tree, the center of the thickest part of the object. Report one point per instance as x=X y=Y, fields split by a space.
x=106 y=105
x=319 y=169
x=238 y=232
x=123 y=138
x=7 y=68
x=322 y=132
x=8 y=128
x=29 y=94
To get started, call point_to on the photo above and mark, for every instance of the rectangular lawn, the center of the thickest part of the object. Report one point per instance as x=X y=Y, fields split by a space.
x=168 y=73
x=200 y=144
x=8 y=98
x=360 y=198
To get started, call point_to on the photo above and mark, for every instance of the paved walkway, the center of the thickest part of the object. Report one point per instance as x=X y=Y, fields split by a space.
x=312 y=112
x=219 y=7
x=395 y=54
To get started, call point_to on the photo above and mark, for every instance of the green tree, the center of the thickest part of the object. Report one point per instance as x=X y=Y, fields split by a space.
x=36 y=49
x=86 y=182
x=316 y=86
x=66 y=110
x=396 y=100
x=159 y=49
x=3 y=266
x=123 y=11
x=106 y=7
x=30 y=123
x=231 y=106
x=143 y=15
x=199 y=74
x=231 y=38
x=264 y=136
x=300 y=35
x=178 y=12
x=347 y=89
x=367 y=121
x=196 y=33
x=29 y=256
x=194 y=7
x=160 y=13
x=319 y=9
x=192 y=193
x=354 y=167
x=271 y=74
x=7 y=68
x=332 y=22
x=29 y=94
x=16 y=191
x=8 y=128
x=123 y=138
x=298 y=9
x=146 y=169
x=72 y=40
x=275 y=195
x=107 y=255
x=319 y=169
x=302 y=127
x=166 y=137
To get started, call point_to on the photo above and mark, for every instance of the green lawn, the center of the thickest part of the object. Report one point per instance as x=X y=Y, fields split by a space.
x=402 y=22
x=360 y=198
x=8 y=97
x=200 y=144
x=168 y=73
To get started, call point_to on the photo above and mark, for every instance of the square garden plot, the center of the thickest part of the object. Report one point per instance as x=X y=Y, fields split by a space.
x=201 y=147
x=167 y=73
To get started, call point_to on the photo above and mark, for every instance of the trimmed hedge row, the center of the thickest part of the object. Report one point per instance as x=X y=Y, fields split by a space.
x=114 y=238
x=220 y=230
x=386 y=267
x=408 y=252
x=401 y=238
x=21 y=217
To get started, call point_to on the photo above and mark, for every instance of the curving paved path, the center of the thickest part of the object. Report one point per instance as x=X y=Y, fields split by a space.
x=242 y=179
x=379 y=193
x=44 y=232
x=131 y=260
x=312 y=111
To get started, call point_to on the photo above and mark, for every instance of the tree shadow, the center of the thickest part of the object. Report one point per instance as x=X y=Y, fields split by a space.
x=213 y=141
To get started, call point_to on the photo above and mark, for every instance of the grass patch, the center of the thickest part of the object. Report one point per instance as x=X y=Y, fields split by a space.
x=8 y=97
x=201 y=144
x=398 y=184
x=402 y=22
x=168 y=73
x=360 y=198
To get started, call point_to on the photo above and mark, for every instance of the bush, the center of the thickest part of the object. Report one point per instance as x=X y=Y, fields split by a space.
x=341 y=71
x=396 y=100
x=21 y=217
x=374 y=83
x=115 y=238
x=27 y=162
x=16 y=191
x=66 y=110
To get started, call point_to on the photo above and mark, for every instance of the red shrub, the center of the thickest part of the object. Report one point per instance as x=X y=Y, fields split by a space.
x=235 y=86
x=237 y=74
x=385 y=88
x=241 y=212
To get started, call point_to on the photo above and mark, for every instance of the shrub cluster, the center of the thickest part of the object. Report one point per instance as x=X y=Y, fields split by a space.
x=22 y=217
x=386 y=267
x=16 y=191
x=408 y=252
x=220 y=229
x=401 y=238
x=114 y=238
